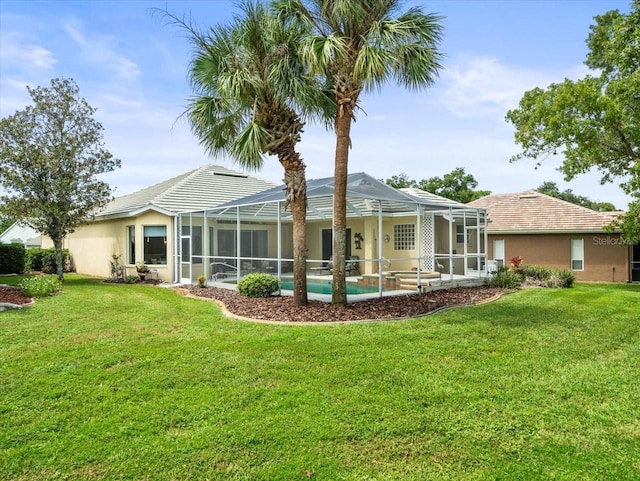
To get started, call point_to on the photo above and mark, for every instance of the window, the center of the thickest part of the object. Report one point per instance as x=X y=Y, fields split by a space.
x=154 y=244
x=404 y=237
x=498 y=252
x=460 y=237
x=254 y=243
x=131 y=244
x=577 y=254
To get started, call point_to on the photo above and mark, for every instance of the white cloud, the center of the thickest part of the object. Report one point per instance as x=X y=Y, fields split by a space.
x=485 y=87
x=100 y=50
x=19 y=50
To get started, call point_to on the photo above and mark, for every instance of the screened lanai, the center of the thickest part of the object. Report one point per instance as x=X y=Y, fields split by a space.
x=396 y=239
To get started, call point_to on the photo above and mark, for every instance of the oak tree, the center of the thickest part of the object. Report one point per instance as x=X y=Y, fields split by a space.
x=50 y=155
x=594 y=122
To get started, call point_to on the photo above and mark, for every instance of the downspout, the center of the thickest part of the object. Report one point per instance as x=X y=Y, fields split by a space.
x=238 y=239
x=379 y=248
x=279 y=242
x=450 y=244
x=419 y=239
x=478 y=261
x=486 y=238
x=176 y=247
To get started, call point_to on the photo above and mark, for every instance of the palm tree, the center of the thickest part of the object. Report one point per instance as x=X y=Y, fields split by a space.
x=252 y=94
x=358 y=46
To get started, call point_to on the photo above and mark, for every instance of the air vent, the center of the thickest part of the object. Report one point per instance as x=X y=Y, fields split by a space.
x=529 y=196
x=223 y=174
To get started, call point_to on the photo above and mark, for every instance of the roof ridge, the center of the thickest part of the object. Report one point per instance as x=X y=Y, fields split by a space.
x=591 y=211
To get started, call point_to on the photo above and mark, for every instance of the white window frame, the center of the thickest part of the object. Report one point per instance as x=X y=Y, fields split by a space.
x=145 y=241
x=131 y=245
x=499 y=253
x=404 y=237
x=577 y=254
x=463 y=236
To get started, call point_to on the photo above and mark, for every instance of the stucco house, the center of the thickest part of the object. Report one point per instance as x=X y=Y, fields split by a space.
x=142 y=226
x=551 y=232
x=21 y=234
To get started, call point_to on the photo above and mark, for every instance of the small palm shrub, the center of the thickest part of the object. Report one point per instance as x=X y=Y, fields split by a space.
x=538 y=273
x=258 y=284
x=40 y=286
x=566 y=278
x=506 y=279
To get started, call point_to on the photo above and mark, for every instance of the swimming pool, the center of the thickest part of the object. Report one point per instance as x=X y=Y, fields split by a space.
x=324 y=287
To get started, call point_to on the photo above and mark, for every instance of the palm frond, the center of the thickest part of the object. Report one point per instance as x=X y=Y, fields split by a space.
x=249 y=145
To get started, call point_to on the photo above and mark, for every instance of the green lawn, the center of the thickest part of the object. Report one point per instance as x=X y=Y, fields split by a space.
x=131 y=382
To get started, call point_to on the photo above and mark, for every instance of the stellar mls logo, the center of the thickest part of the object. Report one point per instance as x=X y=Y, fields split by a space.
x=607 y=241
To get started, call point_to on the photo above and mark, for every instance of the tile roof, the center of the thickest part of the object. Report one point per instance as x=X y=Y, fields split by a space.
x=532 y=211
x=203 y=188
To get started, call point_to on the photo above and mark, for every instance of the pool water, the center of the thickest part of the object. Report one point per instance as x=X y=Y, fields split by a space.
x=324 y=287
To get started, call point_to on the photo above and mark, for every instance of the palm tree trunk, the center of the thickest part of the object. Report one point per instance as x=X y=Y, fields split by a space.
x=343 y=129
x=296 y=184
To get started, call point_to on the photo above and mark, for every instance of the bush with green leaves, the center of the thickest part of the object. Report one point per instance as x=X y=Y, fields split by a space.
x=12 y=258
x=258 y=285
x=537 y=272
x=506 y=279
x=45 y=260
x=40 y=286
x=548 y=277
x=566 y=278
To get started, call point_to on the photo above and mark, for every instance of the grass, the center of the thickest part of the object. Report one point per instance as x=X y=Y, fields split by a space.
x=133 y=382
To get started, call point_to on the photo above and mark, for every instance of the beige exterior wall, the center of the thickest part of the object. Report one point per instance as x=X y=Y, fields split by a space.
x=368 y=228
x=605 y=258
x=92 y=246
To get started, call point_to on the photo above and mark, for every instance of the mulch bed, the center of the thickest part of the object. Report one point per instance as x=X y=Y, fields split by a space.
x=281 y=308
x=12 y=295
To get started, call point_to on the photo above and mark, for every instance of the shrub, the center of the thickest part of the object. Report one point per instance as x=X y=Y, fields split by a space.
x=131 y=279
x=45 y=260
x=516 y=262
x=506 y=279
x=201 y=280
x=12 y=258
x=567 y=278
x=40 y=286
x=537 y=272
x=258 y=285
x=548 y=277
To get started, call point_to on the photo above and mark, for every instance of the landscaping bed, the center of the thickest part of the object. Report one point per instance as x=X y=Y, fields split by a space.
x=282 y=308
x=12 y=295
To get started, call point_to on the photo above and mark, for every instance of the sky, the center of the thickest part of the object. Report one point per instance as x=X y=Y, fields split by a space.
x=131 y=65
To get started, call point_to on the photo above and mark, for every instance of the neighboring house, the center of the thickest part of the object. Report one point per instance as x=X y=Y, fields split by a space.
x=143 y=227
x=551 y=232
x=21 y=234
x=389 y=231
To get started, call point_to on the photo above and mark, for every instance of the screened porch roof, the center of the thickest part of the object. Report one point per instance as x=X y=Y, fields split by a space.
x=366 y=196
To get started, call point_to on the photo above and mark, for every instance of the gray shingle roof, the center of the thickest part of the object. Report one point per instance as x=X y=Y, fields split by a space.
x=203 y=188
x=532 y=211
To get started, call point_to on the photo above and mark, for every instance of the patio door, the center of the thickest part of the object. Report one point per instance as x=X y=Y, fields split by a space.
x=327 y=244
